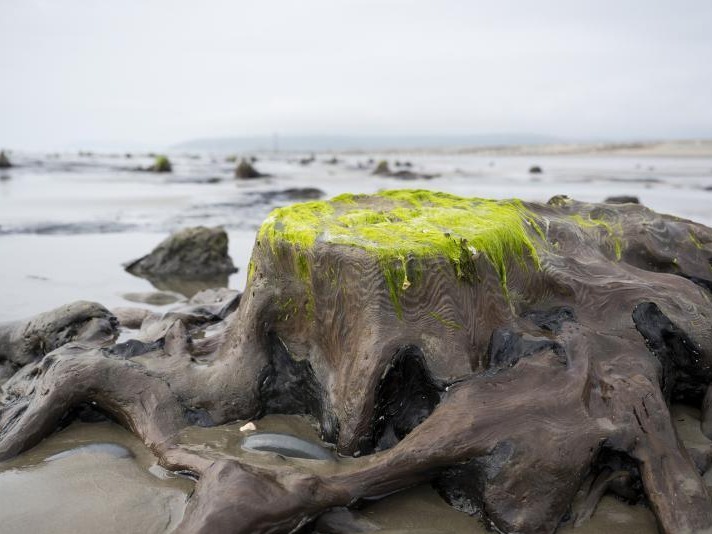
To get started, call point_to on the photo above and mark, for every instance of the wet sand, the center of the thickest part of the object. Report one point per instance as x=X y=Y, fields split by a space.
x=63 y=485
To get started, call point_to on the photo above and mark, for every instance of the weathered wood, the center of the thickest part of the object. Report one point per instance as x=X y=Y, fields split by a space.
x=511 y=364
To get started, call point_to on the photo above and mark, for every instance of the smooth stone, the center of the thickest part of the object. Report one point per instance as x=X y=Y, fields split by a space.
x=112 y=449
x=286 y=445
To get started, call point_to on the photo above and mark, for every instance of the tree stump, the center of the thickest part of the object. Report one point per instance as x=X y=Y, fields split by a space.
x=521 y=357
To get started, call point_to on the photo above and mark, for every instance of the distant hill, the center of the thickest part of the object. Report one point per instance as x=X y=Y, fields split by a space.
x=322 y=143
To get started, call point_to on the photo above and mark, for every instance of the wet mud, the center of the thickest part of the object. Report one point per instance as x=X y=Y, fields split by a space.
x=89 y=478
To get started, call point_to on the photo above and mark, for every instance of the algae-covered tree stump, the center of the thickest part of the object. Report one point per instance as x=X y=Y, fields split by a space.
x=402 y=282
x=520 y=357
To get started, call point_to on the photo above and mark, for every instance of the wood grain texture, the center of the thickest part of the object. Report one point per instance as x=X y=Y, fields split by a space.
x=560 y=384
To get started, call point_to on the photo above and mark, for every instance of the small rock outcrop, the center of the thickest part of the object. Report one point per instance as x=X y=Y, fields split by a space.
x=246 y=171
x=293 y=193
x=382 y=168
x=192 y=253
x=622 y=199
x=4 y=161
x=162 y=164
x=535 y=169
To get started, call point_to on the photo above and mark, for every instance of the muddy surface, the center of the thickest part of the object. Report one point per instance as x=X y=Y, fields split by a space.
x=89 y=478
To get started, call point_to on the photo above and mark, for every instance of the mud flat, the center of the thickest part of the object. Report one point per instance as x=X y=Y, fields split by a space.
x=89 y=478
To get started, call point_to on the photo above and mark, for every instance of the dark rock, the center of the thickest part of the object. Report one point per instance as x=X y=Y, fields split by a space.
x=293 y=193
x=192 y=253
x=302 y=193
x=535 y=169
x=382 y=168
x=246 y=171
x=622 y=199
x=409 y=175
x=4 y=161
x=162 y=164
x=559 y=201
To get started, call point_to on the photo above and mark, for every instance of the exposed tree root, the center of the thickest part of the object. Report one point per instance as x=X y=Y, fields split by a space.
x=510 y=403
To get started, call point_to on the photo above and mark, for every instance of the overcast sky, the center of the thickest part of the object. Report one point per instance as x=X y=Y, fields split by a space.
x=147 y=72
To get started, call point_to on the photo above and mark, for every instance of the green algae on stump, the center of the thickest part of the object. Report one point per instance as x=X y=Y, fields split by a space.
x=402 y=225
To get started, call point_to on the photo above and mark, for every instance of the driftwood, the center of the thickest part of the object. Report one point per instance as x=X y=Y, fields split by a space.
x=512 y=354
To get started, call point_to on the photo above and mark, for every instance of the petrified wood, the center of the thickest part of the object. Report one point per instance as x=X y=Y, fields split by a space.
x=513 y=354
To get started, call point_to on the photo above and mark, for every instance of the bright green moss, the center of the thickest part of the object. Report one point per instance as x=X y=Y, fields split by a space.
x=298 y=223
x=250 y=270
x=162 y=164
x=402 y=227
x=303 y=266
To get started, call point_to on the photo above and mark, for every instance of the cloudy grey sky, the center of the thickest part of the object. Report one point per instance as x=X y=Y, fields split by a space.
x=156 y=72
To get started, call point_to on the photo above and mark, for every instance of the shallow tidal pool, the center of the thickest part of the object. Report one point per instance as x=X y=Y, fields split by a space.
x=86 y=479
